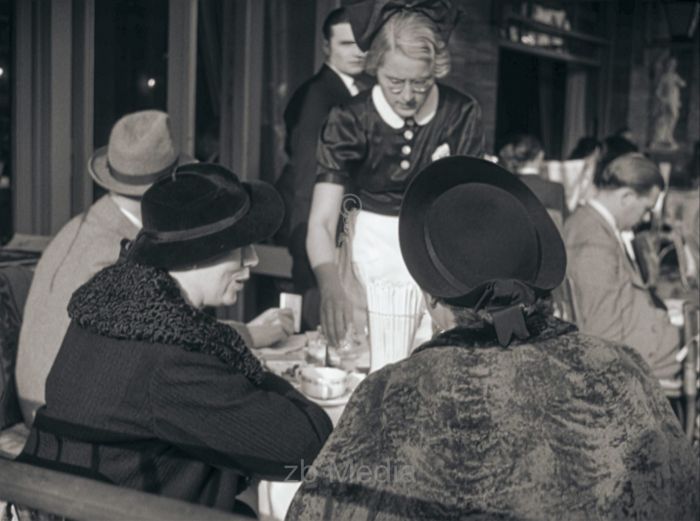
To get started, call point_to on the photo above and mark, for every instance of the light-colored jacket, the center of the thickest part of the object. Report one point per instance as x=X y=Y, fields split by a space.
x=85 y=245
x=612 y=300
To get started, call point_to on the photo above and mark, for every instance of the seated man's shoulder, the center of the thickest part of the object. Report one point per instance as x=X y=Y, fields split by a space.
x=580 y=218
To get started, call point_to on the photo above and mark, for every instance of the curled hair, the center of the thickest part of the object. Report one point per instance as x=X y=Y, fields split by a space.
x=416 y=36
x=632 y=170
x=520 y=150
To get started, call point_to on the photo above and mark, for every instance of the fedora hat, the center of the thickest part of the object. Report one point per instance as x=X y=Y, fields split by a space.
x=200 y=212
x=466 y=223
x=140 y=151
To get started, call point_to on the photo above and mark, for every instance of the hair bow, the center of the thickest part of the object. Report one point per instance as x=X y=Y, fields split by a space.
x=505 y=301
x=368 y=16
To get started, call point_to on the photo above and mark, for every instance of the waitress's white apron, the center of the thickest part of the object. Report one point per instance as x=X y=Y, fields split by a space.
x=370 y=253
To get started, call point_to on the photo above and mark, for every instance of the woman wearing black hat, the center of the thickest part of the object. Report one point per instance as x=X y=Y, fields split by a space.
x=509 y=413
x=372 y=146
x=149 y=392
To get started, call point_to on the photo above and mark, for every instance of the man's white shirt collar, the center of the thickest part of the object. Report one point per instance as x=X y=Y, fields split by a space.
x=129 y=215
x=529 y=170
x=605 y=213
x=625 y=237
x=348 y=80
x=424 y=115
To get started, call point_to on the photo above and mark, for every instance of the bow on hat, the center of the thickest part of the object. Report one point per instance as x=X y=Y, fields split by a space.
x=505 y=301
x=369 y=16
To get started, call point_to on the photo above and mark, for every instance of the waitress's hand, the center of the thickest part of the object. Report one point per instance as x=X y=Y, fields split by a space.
x=272 y=326
x=336 y=309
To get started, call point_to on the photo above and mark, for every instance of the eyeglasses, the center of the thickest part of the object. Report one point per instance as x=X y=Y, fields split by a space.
x=397 y=86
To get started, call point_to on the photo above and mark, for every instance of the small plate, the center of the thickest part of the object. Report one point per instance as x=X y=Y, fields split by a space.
x=332 y=402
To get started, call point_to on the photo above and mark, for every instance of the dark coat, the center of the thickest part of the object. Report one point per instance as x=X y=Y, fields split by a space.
x=566 y=427
x=152 y=394
x=304 y=116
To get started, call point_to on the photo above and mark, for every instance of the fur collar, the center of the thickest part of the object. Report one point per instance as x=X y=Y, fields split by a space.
x=540 y=327
x=134 y=302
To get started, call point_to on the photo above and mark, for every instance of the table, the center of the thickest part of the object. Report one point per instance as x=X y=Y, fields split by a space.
x=275 y=497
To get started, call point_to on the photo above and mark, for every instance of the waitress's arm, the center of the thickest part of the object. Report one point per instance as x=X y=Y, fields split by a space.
x=336 y=311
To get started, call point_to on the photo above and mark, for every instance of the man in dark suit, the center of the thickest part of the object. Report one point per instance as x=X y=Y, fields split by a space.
x=304 y=116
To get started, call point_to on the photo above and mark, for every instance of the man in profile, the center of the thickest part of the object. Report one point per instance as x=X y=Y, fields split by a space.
x=612 y=299
x=333 y=84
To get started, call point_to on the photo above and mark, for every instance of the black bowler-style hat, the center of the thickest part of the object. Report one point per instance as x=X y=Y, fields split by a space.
x=200 y=212
x=468 y=225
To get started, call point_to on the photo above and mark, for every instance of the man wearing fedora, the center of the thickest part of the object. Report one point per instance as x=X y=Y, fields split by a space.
x=140 y=151
x=509 y=413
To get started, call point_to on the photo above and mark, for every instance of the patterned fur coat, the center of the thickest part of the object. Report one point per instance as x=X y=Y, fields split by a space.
x=565 y=427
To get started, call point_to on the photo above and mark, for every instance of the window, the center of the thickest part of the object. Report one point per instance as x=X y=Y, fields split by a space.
x=131 y=41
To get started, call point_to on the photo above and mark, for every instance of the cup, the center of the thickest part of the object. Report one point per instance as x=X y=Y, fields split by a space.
x=323 y=383
x=294 y=302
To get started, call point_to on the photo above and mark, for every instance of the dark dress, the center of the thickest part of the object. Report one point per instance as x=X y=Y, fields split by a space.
x=304 y=116
x=149 y=393
x=375 y=161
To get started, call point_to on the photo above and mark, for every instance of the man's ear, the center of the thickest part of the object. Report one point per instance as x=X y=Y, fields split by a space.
x=626 y=196
x=326 y=48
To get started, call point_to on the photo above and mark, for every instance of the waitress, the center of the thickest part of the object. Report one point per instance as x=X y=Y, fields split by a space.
x=371 y=147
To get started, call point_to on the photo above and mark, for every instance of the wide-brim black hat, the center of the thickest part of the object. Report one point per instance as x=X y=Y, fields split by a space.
x=466 y=222
x=201 y=212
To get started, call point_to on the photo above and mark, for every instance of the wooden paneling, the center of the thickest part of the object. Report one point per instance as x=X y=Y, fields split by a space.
x=83 y=99
x=474 y=47
x=182 y=71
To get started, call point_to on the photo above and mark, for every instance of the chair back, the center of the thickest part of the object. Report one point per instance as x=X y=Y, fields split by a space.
x=14 y=287
x=564 y=301
x=691 y=368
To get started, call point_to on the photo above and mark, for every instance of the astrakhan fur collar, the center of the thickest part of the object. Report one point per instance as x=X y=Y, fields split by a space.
x=134 y=302
x=540 y=326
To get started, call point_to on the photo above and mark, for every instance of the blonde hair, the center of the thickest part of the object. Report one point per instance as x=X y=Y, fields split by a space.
x=416 y=36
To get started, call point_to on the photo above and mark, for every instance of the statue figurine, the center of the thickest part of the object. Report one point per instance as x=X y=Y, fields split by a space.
x=667 y=103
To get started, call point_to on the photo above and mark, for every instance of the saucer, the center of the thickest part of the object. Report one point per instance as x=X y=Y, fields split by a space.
x=332 y=402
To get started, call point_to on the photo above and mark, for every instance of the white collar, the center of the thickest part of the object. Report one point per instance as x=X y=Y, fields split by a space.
x=424 y=115
x=129 y=215
x=529 y=170
x=624 y=236
x=348 y=80
x=605 y=214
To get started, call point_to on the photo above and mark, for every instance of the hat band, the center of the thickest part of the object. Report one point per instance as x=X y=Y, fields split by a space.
x=442 y=269
x=141 y=179
x=201 y=231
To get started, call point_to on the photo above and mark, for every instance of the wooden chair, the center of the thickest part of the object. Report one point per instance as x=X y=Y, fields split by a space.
x=564 y=302
x=72 y=497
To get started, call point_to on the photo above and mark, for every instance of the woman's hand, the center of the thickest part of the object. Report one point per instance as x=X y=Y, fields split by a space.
x=272 y=326
x=336 y=308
